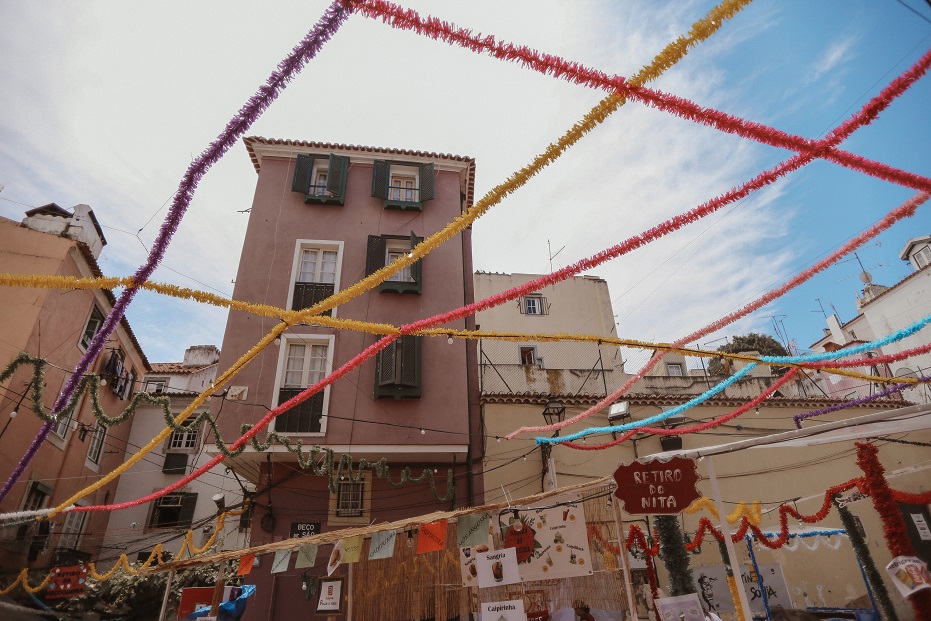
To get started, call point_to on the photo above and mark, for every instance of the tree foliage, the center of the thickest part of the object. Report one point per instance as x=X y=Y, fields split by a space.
x=138 y=597
x=766 y=345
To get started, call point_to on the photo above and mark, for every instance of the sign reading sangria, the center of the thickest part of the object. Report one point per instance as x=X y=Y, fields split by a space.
x=657 y=486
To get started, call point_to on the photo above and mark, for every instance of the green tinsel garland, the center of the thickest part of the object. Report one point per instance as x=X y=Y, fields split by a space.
x=674 y=555
x=873 y=577
x=90 y=383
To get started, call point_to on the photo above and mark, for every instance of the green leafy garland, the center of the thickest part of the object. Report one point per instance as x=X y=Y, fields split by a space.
x=873 y=577
x=674 y=555
x=328 y=465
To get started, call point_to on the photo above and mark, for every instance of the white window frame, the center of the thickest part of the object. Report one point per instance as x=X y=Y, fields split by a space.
x=304 y=339
x=321 y=169
x=675 y=365
x=404 y=183
x=183 y=441
x=533 y=304
x=72 y=529
x=315 y=244
x=922 y=257
x=394 y=250
x=90 y=317
x=531 y=360
x=95 y=448
x=156 y=382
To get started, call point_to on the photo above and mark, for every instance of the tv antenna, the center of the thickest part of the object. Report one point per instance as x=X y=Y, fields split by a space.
x=549 y=249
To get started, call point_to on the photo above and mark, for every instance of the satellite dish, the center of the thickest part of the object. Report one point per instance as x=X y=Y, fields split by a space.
x=866 y=278
x=906 y=372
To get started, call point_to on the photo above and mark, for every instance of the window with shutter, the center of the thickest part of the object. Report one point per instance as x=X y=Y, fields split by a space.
x=316 y=272
x=305 y=360
x=94 y=322
x=397 y=369
x=383 y=250
x=175 y=463
x=321 y=179
x=402 y=185
x=174 y=510
x=534 y=305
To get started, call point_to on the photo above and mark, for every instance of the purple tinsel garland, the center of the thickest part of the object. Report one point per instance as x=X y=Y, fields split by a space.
x=288 y=68
x=798 y=418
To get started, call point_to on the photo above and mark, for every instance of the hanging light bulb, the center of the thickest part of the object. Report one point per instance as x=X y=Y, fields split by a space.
x=410 y=539
x=423 y=431
x=449 y=339
x=517 y=525
x=497 y=438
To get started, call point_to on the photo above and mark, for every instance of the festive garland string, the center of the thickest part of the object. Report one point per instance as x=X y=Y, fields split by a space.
x=906 y=209
x=715 y=422
x=798 y=418
x=548 y=64
x=669 y=56
x=332 y=19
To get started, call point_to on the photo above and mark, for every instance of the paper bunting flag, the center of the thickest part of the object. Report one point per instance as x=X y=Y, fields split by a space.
x=472 y=530
x=432 y=537
x=382 y=545
x=282 y=559
x=336 y=557
x=352 y=549
x=245 y=564
x=306 y=556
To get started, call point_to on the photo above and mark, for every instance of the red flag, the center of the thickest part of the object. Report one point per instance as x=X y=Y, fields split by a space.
x=432 y=537
x=245 y=564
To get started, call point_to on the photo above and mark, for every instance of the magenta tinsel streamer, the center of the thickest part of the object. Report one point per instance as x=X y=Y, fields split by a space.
x=798 y=418
x=577 y=73
x=322 y=31
x=812 y=150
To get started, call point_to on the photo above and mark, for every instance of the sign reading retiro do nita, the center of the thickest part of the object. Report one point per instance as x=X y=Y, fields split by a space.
x=657 y=486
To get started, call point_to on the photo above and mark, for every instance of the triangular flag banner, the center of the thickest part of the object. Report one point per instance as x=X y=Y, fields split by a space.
x=306 y=556
x=245 y=564
x=282 y=559
x=352 y=546
x=336 y=557
x=382 y=544
x=432 y=537
x=472 y=530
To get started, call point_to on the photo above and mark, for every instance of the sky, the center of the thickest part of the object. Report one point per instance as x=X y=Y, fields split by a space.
x=106 y=103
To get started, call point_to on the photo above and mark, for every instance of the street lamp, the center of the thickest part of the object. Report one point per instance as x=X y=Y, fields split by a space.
x=617 y=414
x=554 y=412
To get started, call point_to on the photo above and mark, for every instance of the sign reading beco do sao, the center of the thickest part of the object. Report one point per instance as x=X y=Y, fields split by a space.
x=657 y=486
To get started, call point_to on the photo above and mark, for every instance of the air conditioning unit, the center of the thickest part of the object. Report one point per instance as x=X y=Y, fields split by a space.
x=619 y=410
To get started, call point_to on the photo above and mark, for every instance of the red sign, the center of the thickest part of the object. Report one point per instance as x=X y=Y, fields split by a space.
x=657 y=486
x=66 y=581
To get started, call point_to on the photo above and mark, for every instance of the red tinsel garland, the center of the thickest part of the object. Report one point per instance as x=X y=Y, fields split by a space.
x=894 y=530
x=694 y=428
x=912 y=499
x=577 y=73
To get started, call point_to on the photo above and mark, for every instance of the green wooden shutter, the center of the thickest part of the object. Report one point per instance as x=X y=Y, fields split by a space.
x=375 y=254
x=337 y=174
x=410 y=361
x=380 y=178
x=386 y=364
x=188 y=502
x=302 y=172
x=426 y=182
x=417 y=267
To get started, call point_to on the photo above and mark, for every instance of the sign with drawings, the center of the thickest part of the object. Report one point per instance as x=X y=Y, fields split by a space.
x=715 y=595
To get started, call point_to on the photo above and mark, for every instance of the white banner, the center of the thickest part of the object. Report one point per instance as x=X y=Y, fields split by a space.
x=715 y=595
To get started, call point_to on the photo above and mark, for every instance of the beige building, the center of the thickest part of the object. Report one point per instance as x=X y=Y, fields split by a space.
x=799 y=476
x=58 y=326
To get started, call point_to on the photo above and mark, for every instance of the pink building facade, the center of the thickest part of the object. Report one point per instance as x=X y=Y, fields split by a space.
x=58 y=325
x=323 y=217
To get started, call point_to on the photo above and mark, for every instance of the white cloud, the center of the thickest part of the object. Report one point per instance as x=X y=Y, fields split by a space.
x=110 y=101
